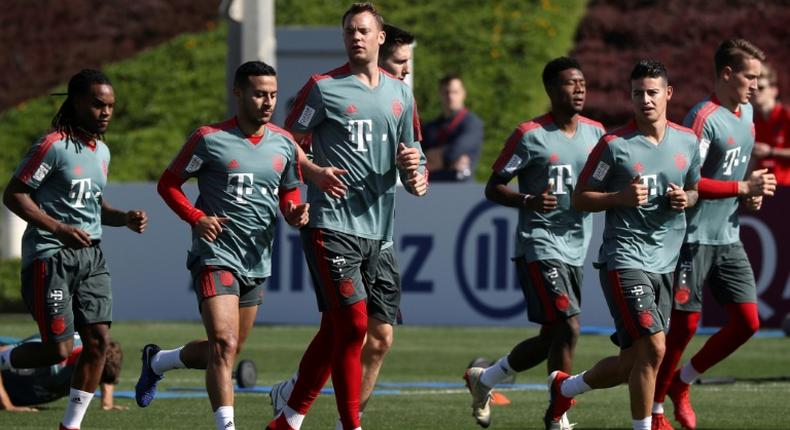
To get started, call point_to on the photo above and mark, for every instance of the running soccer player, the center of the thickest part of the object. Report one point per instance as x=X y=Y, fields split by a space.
x=546 y=154
x=644 y=175
x=362 y=120
x=712 y=251
x=58 y=190
x=245 y=167
x=22 y=389
x=383 y=303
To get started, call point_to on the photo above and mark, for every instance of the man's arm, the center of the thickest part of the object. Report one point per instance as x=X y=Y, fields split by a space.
x=108 y=398
x=5 y=401
x=135 y=220
x=498 y=192
x=17 y=198
x=586 y=198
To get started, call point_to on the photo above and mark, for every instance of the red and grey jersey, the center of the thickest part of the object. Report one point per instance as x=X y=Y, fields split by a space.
x=356 y=128
x=726 y=140
x=240 y=179
x=647 y=237
x=544 y=157
x=68 y=176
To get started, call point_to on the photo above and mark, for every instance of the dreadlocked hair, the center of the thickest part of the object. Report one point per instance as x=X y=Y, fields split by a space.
x=79 y=85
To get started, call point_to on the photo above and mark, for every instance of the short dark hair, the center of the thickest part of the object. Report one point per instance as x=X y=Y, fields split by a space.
x=446 y=79
x=251 y=68
x=733 y=52
x=551 y=72
x=79 y=85
x=396 y=37
x=649 y=69
x=112 y=364
x=358 y=8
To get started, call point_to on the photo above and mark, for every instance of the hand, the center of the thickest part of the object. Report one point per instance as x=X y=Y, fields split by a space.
x=114 y=408
x=635 y=194
x=753 y=203
x=209 y=227
x=761 y=183
x=678 y=199
x=417 y=183
x=408 y=159
x=72 y=237
x=761 y=150
x=14 y=408
x=136 y=221
x=328 y=181
x=297 y=215
x=544 y=202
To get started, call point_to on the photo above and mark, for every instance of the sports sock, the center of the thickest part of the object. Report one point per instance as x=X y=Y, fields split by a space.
x=339 y=424
x=682 y=327
x=293 y=418
x=643 y=424
x=314 y=369
x=76 y=408
x=165 y=360
x=743 y=323
x=574 y=385
x=349 y=326
x=688 y=374
x=5 y=359
x=223 y=416
x=658 y=407
x=497 y=372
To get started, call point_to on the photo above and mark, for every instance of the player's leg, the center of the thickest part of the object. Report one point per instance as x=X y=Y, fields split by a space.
x=692 y=269
x=48 y=297
x=92 y=307
x=220 y=315
x=349 y=328
x=732 y=283
x=377 y=344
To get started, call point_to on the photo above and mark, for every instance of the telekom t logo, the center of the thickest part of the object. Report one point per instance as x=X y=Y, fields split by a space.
x=731 y=160
x=651 y=182
x=80 y=190
x=360 y=132
x=560 y=178
x=241 y=185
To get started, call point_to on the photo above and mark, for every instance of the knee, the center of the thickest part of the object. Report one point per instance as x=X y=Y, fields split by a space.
x=97 y=344
x=224 y=347
x=745 y=319
x=379 y=343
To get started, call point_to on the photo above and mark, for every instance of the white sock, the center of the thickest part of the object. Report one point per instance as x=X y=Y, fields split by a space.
x=293 y=418
x=168 y=359
x=574 y=385
x=339 y=424
x=223 y=416
x=658 y=408
x=76 y=408
x=688 y=373
x=5 y=359
x=643 y=424
x=497 y=372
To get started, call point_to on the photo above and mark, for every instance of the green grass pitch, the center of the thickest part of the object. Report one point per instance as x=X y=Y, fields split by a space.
x=427 y=354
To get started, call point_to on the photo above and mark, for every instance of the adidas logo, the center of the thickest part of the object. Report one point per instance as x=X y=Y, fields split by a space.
x=233 y=164
x=76 y=400
x=229 y=425
x=351 y=109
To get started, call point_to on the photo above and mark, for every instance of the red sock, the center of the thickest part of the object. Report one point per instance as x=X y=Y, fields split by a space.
x=682 y=326
x=314 y=369
x=743 y=323
x=349 y=327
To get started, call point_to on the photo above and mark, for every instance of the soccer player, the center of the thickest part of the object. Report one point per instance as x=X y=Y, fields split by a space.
x=21 y=389
x=644 y=175
x=712 y=251
x=58 y=190
x=383 y=301
x=546 y=154
x=245 y=168
x=362 y=120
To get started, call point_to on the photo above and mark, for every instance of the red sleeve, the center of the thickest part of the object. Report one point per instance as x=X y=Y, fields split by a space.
x=715 y=189
x=289 y=195
x=169 y=187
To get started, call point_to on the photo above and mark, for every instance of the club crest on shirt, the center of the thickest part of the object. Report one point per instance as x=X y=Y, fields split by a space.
x=42 y=171
x=680 y=161
x=194 y=164
x=278 y=163
x=397 y=108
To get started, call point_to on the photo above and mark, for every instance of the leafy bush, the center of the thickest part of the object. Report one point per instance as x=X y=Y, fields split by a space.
x=10 y=290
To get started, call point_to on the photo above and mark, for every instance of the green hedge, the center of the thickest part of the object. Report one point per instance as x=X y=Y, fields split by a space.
x=10 y=293
x=164 y=93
